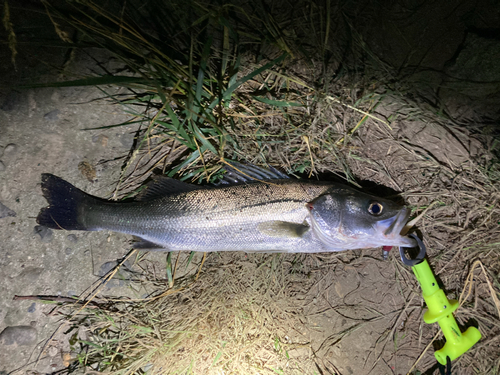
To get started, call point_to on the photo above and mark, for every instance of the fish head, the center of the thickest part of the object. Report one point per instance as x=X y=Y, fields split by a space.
x=348 y=219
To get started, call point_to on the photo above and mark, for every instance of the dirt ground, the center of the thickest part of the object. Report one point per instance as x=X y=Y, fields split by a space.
x=345 y=313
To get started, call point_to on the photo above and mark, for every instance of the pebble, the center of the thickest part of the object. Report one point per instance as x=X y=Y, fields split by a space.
x=53 y=351
x=100 y=138
x=10 y=149
x=44 y=233
x=108 y=266
x=68 y=251
x=18 y=335
x=126 y=139
x=122 y=277
x=52 y=115
x=6 y=211
x=72 y=238
x=32 y=308
x=31 y=274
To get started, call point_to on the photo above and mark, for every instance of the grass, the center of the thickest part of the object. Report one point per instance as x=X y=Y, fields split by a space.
x=211 y=82
x=212 y=90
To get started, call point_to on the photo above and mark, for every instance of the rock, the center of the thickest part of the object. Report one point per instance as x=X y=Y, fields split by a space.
x=18 y=335
x=87 y=170
x=5 y=211
x=52 y=115
x=31 y=274
x=68 y=251
x=44 y=233
x=100 y=138
x=32 y=308
x=120 y=278
x=10 y=149
x=126 y=139
x=52 y=351
x=72 y=238
x=108 y=266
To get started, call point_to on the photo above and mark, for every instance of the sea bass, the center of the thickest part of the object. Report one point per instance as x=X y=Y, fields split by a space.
x=252 y=210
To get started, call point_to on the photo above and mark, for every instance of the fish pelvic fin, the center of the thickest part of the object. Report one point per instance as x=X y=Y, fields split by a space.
x=142 y=244
x=65 y=202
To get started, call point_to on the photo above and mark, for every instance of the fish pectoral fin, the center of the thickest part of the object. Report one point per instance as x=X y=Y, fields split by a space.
x=283 y=229
x=142 y=244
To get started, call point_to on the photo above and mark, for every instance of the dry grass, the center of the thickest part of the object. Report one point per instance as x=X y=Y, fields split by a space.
x=221 y=323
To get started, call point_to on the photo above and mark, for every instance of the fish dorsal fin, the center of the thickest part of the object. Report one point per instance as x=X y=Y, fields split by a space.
x=237 y=173
x=161 y=186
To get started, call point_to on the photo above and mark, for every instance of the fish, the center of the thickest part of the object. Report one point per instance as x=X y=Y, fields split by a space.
x=252 y=209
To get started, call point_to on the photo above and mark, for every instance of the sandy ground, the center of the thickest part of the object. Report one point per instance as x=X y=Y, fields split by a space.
x=44 y=134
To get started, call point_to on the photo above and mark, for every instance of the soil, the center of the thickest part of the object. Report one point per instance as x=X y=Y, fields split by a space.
x=355 y=305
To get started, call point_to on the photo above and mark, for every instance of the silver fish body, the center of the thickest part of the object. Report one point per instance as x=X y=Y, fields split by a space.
x=278 y=215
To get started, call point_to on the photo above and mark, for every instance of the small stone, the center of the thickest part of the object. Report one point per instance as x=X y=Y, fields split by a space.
x=87 y=170
x=72 y=238
x=31 y=274
x=120 y=278
x=68 y=251
x=100 y=138
x=108 y=266
x=5 y=211
x=52 y=351
x=52 y=115
x=18 y=335
x=32 y=308
x=127 y=139
x=2 y=166
x=10 y=149
x=44 y=233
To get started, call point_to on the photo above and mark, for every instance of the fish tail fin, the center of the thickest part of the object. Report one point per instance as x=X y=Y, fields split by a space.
x=65 y=202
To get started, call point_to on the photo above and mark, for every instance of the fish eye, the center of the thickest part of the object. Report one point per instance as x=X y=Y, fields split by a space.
x=375 y=208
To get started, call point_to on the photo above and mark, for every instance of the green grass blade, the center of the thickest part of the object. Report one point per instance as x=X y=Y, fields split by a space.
x=277 y=103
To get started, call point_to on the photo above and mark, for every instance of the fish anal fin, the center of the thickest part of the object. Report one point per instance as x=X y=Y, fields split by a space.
x=283 y=229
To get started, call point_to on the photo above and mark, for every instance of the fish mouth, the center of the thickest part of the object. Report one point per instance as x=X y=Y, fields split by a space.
x=391 y=229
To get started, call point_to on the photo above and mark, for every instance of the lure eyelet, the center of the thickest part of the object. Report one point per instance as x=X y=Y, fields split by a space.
x=375 y=209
